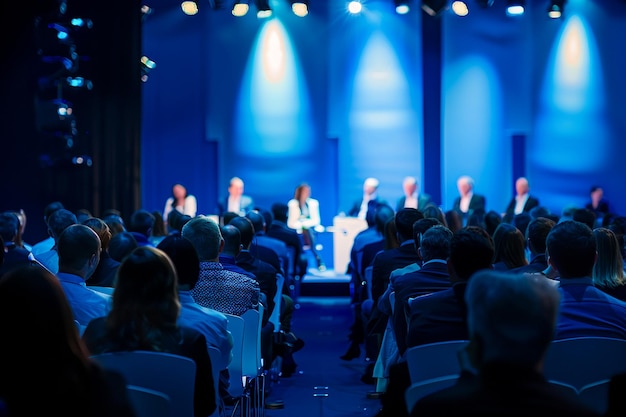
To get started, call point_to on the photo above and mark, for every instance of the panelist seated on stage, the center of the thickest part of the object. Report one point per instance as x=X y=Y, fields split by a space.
x=522 y=202
x=412 y=198
x=468 y=203
x=369 y=200
x=236 y=201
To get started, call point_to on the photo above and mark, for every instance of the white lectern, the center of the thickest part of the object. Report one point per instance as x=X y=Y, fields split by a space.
x=344 y=231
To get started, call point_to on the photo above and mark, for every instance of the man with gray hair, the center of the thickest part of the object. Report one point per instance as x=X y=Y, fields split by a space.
x=511 y=323
x=217 y=288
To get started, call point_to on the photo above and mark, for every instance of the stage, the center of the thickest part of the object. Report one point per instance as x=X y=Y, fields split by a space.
x=323 y=284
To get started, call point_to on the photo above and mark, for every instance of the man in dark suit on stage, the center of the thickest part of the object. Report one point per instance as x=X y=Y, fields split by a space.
x=523 y=202
x=369 y=201
x=412 y=198
x=236 y=201
x=468 y=203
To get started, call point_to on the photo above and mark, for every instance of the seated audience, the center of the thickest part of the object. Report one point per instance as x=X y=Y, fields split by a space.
x=585 y=216
x=159 y=229
x=144 y=317
x=509 y=245
x=536 y=234
x=140 y=226
x=104 y=275
x=511 y=320
x=60 y=379
x=58 y=221
x=608 y=271
x=14 y=255
x=492 y=219
x=280 y=230
x=47 y=243
x=585 y=310
x=121 y=245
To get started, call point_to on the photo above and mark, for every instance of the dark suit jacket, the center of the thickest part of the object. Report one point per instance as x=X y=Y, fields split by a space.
x=438 y=317
x=432 y=277
x=14 y=257
x=477 y=203
x=104 y=275
x=265 y=275
x=531 y=203
x=422 y=201
x=247 y=204
x=537 y=264
x=502 y=389
x=371 y=205
x=387 y=261
x=279 y=230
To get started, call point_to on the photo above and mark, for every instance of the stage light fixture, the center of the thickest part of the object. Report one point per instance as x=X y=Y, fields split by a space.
x=263 y=9
x=515 y=8
x=402 y=6
x=240 y=8
x=484 y=3
x=300 y=7
x=460 y=8
x=434 y=7
x=355 y=7
x=555 y=9
x=147 y=65
x=79 y=82
x=146 y=11
x=190 y=8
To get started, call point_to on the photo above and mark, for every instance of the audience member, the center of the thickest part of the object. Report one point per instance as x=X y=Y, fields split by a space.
x=585 y=310
x=433 y=211
x=468 y=202
x=266 y=248
x=522 y=202
x=232 y=247
x=47 y=243
x=304 y=217
x=492 y=220
x=509 y=245
x=279 y=229
x=115 y=222
x=104 y=275
x=58 y=221
x=510 y=320
x=159 y=229
x=82 y=215
x=521 y=221
x=181 y=201
x=236 y=201
x=585 y=216
x=60 y=379
x=144 y=317
x=19 y=238
x=140 y=226
x=121 y=245
x=454 y=220
x=536 y=235
x=412 y=198
x=13 y=254
x=79 y=253
x=368 y=202
x=608 y=271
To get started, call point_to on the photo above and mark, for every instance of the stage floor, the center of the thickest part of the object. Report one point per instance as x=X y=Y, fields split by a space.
x=326 y=284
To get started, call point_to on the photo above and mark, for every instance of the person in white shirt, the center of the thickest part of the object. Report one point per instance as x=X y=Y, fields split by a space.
x=304 y=217
x=236 y=201
x=412 y=198
x=522 y=201
x=467 y=202
x=180 y=201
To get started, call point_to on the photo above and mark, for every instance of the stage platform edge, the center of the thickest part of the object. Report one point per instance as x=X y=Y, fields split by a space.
x=324 y=284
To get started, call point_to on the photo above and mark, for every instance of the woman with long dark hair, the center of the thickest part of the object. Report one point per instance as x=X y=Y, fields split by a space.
x=304 y=217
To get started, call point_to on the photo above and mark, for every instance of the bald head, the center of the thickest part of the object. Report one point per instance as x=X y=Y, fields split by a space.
x=521 y=186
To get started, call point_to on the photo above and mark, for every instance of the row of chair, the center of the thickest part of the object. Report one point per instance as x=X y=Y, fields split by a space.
x=583 y=365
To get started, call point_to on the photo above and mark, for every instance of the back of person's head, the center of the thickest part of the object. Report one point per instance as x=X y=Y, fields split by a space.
x=608 y=271
x=82 y=215
x=9 y=224
x=521 y=221
x=232 y=240
x=492 y=220
x=45 y=315
x=391 y=235
x=205 y=236
x=228 y=216
x=101 y=229
x=435 y=212
x=511 y=317
x=537 y=233
x=435 y=243
x=79 y=248
x=585 y=216
x=268 y=217
x=184 y=257
x=177 y=220
x=454 y=220
x=571 y=249
x=115 y=223
x=280 y=212
x=59 y=221
x=246 y=228
x=471 y=249
x=145 y=298
x=383 y=213
x=539 y=211
x=477 y=218
x=51 y=208
x=509 y=246
x=421 y=226
x=405 y=218
x=258 y=222
x=121 y=245
x=141 y=221
x=158 y=228
x=567 y=213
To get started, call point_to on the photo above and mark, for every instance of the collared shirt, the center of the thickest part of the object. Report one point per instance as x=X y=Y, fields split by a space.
x=86 y=303
x=465 y=202
x=411 y=201
x=520 y=202
x=211 y=323
x=364 y=204
x=234 y=204
x=225 y=291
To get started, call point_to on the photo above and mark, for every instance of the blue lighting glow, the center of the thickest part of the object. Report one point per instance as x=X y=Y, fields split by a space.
x=273 y=109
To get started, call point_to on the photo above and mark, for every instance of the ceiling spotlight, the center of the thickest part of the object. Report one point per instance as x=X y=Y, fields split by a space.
x=460 y=8
x=484 y=3
x=555 y=9
x=263 y=9
x=515 y=8
x=402 y=6
x=434 y=7
x=190 y=8
x=355 y=7
x=240 y=8
x=300 y=7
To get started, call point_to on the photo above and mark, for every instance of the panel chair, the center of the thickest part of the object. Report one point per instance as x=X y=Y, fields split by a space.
x=584 y=360
x=170 y=374
x=596 y=395
x=421 y=389
x=147 y=402
x=434 y=360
